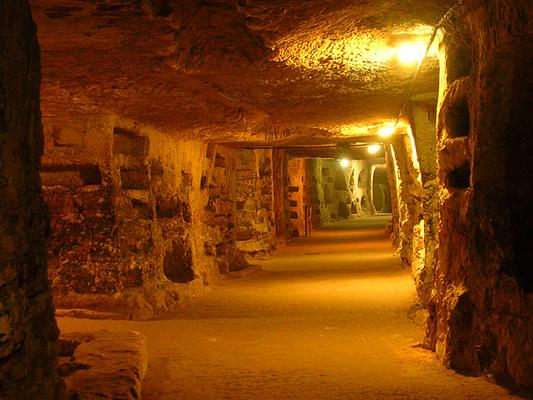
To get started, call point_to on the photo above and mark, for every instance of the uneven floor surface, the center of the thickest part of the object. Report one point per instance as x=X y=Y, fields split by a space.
x=327 y=318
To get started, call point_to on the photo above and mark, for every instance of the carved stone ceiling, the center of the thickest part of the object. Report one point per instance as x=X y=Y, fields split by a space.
x=232 y=69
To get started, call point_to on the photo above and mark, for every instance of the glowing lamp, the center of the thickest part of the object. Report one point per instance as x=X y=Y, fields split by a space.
x=409 y=53
x=374 y=148
x=386 y=130
x=344 y=162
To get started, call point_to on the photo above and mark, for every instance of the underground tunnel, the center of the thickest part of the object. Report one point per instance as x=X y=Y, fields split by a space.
x=251 y=199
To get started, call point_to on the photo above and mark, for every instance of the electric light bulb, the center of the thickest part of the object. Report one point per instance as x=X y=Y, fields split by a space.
x=409 y=53
x=374 y=148
x=344 y=162
x=386 y=130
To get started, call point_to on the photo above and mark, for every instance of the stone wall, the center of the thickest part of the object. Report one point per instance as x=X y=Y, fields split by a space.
x=282 y=221
x=28 y=331
x=422 y=115
x=255 y=228
x=482 y=311
x=297 y=195
x=340 y=192
x=141 y=221
x=409 y=195
x=128 y=223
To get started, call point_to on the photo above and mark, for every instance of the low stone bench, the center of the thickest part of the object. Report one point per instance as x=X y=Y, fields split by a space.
x=103 y=364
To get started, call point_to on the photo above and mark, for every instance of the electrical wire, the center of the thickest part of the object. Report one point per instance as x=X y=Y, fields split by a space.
x=436 y=27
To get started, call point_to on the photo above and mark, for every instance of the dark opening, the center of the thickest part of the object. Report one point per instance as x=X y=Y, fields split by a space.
x=134 y=179
x=344 y=211
x=163 y=9
x=129 y=143
x=458 y=119
x=519 y=169
x=459 y=62
x=70 y=175
x=167 y=207
x=142 y=210
x=380 y=191
x=459 y=178
x=220 y=161
x=203 y=182
x=177 y=263
x=340 y=181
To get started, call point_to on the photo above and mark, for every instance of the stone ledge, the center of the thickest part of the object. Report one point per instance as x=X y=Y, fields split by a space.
x=140 y=303
x=103 y=364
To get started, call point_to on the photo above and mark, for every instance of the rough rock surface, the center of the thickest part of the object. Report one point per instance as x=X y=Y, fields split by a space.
x=28 y=330
x=224 y=68
x=103 y=364
x=160 y=119
x=482 y=307
x=142 y=221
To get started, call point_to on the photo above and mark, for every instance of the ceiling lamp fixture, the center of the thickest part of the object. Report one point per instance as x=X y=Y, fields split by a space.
x=410 y=53
x=374 y=148
x=386 y=130
x=344 y=162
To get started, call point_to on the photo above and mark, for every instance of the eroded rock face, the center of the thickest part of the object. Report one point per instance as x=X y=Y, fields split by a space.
x=124 y=202
x=232 y=69
x=141 y=220
x=151 y=198
x=103 y=364
x=27 y=327
x=337 y=192
x=482 y=312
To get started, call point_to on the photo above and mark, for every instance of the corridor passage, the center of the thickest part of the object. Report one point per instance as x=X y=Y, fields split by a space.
x=326 y=318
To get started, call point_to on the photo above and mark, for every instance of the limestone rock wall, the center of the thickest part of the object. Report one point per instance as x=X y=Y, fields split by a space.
x=126 y=208
x=141 y=221
x=394 y=180
x=255 y=228
x=482 y=313
x=422 y=121
x=338 y=192
x=297 y=196
x=282 y=221
x=409 y=206
x=220 y=213
x=28 y=331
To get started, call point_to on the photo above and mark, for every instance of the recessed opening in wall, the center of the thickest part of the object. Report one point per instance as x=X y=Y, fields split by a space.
x=380 y=190
x=340 y=181
x=458 y=119
x=164 y=9
x=70 y=175
x=177 y=263
x=134 y=179
x=129 y=143
x=362 y=180
x=458 y=62
x=141 y=209
x=156 y=168
x=167 y=207
x=518 y=147
x=459 y=178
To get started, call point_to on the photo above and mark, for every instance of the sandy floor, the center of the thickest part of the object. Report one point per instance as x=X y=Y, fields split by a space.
x=326 y=319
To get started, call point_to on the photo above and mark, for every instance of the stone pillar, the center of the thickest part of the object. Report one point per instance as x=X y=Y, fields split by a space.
x=280 y=189
x=28 y=331
x=392 y=175
x=422 y=116
x=410 y=195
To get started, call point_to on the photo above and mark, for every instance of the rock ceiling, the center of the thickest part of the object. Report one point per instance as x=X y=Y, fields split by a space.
x=232 y=69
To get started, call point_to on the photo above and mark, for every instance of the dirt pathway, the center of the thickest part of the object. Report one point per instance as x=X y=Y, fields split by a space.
x=326 y=319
